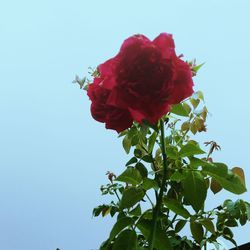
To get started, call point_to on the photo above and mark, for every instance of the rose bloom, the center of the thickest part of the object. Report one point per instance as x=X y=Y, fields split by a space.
x=114 y=117
x=140 y=83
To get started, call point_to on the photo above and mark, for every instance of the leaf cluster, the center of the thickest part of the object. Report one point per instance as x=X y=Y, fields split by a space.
x=191 y=173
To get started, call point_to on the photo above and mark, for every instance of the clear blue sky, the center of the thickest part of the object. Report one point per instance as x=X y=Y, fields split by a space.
x=53 y=156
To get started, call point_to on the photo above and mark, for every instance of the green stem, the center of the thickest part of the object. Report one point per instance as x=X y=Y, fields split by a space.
x=172 y=222
x=117 y=196
x=152 y=204
x=163 y=183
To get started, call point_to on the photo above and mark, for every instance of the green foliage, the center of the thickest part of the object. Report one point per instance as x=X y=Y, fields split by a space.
x=190 y=149
x=195 y=189
x=190 y=172
x=208 y=224
x=131 y=196
x=131 y=176
x=176 y=207
x=126 y=143
x=120 y=225
x=142 y=169
x=161 y=239
x=179 y=109
x=126 y=240
x=197 y=231
x=149 y=184
x=180 y=225
x=226 y=178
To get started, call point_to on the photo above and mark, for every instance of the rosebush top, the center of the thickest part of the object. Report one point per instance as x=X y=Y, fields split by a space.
x=147 y=81
x=140 y=83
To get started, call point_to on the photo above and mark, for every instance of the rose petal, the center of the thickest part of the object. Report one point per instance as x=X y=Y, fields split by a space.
x=133 y=41
x=183 y=82
x=118 y=119
x=166 y=44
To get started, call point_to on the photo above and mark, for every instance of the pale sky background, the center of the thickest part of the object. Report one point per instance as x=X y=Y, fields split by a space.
x=53 y=155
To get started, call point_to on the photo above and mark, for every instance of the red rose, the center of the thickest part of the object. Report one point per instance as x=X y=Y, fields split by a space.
x=142 y=81
x=115 y=118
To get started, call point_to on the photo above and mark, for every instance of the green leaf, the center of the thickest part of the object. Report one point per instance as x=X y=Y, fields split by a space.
x=178 y=109
x=131 y=196
x=142 y=169
x=161 y=240
x=176 y=207
x=136 y=211
x=106 y=211
x=229 y=204
x=193 y=128
x=196 y=69
x=149 y=183
x=190 y=149
x=131 y=176
x=147 y=158
x=217 y=245
x=208 y=224
x=186 y=107
x=119 y=226
x=243 y=219
x=228 y=233
x=123 y=133
x=135 y=140
x=185 y=126
x=131 y=161
x=144 y=128
x=179 y=225
x=231 y=223
x=172 y=152
x=122 y=214
x=194 y=102
x=151 y=142
x=102 y=209
x=247 y=210
x=204 y=113
x=105 y=245
x=138 y=153
x=126 y=240
x=240 y=172
x=113 y=211
x=215 y=186
x=197 y=231
x=199 y=93
x=147 y=215
x=227 y=179
x=177 y=176
x=200 y=124
x=230 y=239
x=195 y=189
x=126 y=143
x=132 y=132
x=196 y=162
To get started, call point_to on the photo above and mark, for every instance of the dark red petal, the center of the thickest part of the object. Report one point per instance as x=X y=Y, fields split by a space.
x=98 y=112
x=118 y=119
x=151 y=114
x=106 y=68
x=166 y=44
x=107 y=73
x=91 y=91
x=137 y=115
x=183 y=82
x=116 y=98
x=133 y=40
